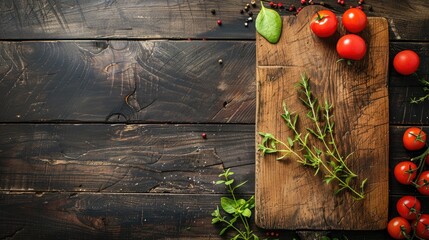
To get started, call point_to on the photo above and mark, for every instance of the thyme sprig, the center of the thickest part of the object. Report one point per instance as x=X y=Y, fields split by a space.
x=327 y=157
x=416 y=100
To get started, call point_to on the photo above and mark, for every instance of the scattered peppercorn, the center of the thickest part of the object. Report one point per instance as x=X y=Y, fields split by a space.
x=246 y=8
x=213 y=11
x=241 y=11
x=303 y=2
x=253 y=2
x=219 y=22
x=250 y=19
x=292 y=8
x=246 y=24
x=272 y=4
x=204 y=135
x=298 y=10
x=360 y=7
x=220 y=61
x=250 y=14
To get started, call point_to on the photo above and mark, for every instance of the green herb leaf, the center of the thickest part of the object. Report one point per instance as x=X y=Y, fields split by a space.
x=215 y=220
x=223 y=230
x=269 y=24
x=247 y=212
x=290 y=142
x=229 y=182
x=240 y=184
x=220 y=182
x=228 y=204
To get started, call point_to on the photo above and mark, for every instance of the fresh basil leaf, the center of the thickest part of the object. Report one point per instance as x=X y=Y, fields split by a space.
x=269 y=24
x=228 y=204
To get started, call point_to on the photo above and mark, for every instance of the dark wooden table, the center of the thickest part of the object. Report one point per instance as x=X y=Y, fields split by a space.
x=103 y=104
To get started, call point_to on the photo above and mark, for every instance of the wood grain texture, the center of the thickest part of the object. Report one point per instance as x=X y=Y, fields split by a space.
x=149 y=19
x=127 y=81
x=137 y=158
x=91 y=81
x=64 y=215
x=360 y=99
x=124 y=158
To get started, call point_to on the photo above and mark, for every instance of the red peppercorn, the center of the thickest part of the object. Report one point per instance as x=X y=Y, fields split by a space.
x=204 y=135
x=298 y=10
x=360 y=2
x=272 y=4
x=303 y=2
x=280 y=5
x=291 y=8
x=360 y=7
x=219 y=22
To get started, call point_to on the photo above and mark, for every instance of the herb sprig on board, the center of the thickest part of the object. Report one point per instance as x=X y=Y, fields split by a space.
x=327 y=157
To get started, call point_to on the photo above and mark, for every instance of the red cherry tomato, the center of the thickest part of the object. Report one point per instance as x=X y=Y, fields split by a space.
x=422 y=226
x=351 y=46
x=423 y=183
x=406 y=62
x=354 y=20
x=408 y=207
x=405 y=172
x=398 y=228
x=414 y=139
x=324 y=23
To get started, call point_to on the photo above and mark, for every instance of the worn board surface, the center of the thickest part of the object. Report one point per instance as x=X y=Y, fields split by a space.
x=288 y=195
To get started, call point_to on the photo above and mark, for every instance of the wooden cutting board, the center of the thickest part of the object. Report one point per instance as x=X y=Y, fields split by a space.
x=288 y=195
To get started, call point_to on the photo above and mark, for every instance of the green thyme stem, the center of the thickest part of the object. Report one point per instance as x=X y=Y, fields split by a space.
x=321 y=135
x=416 y=100
x=320 y=161
x=334 y=169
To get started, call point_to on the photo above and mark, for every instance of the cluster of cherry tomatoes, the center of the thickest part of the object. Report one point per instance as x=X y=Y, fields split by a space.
x=411 y=172
x=411 y=222
x=410 y=218
x=350 y=46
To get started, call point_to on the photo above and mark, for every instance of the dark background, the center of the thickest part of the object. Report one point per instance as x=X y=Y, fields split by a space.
x=103 y=103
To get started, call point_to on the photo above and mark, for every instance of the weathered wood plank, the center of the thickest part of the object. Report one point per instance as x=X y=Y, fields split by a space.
x=124 y=158
x=138 y=158
x=94 y=81
x=402 y=111
x=125 y=216
x=71 y=19
x=151 y=81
